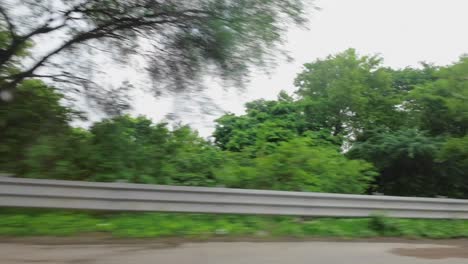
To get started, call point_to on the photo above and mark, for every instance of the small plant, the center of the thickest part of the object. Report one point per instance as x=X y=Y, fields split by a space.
x=383 y=225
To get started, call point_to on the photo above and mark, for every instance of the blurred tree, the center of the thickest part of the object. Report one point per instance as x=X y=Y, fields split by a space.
x=35 y=112
x=181 y=40
x=64 y=156
x=136 y=150
x=126 y=149
x=453 y=159
x=406 y=160
x=190 y=160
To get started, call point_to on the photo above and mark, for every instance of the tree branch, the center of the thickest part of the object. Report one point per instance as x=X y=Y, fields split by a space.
x=106 y=30
x=18 y=41
x=10 y=25
x=109 y=29
x=63 y=77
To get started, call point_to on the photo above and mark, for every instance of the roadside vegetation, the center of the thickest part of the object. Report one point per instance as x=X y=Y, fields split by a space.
x=28 y=222
x=353 y=125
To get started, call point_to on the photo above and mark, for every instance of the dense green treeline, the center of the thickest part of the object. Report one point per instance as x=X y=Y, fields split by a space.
x=354 y=126
x=410 y=124
x=125 y=148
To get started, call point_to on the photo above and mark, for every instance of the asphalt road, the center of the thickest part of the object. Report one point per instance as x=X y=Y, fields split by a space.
x=236 y=253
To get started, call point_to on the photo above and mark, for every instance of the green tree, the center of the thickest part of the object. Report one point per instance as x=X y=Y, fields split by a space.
x=136 y=150
x=35 y=111
x=406 y=160
x=405 y=80
x=190 y=160
x=347 y=93
x=265 y=124
x=453 y=159
x=441 y=106
x=125 y=147
x=65 y=156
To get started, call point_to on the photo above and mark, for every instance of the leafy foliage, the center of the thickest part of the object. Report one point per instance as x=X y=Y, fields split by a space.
x=302 y=165
x=453 y=158
x=204 y=226
x=265 y=124
x=34 y=111
x=406 y=161
x=405 y=80
x=125 y=149
x=65 y=156
x=441 y=105
x=347 y=93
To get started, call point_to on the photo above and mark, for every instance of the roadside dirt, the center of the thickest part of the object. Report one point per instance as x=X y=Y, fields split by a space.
x=98 y=238
x=433 y=253
x=104 y=249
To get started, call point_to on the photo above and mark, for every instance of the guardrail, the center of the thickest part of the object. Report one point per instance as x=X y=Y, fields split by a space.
x=20 y=192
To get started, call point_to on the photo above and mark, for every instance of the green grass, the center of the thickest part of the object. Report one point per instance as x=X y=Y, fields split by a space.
x=29 y=222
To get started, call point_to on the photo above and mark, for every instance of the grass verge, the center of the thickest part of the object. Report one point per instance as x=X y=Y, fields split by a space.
x=32 y=222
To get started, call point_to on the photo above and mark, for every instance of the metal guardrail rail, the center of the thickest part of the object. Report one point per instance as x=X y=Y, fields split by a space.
x=20 y=192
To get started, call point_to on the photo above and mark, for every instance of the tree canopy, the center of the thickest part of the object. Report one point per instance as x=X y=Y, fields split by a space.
x=409 y=123
x=441 y=105
x=348 y=93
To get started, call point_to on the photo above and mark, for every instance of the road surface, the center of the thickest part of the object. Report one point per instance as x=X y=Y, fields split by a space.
x=235 y=253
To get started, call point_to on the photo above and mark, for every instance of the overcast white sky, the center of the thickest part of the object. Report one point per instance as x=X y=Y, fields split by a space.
x=404 y=32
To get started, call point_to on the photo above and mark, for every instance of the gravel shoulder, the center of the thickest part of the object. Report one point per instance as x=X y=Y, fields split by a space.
x=103 y=249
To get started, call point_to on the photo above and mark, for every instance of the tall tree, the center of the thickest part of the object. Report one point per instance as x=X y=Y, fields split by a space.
x=265 y=124
x=348 y=93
